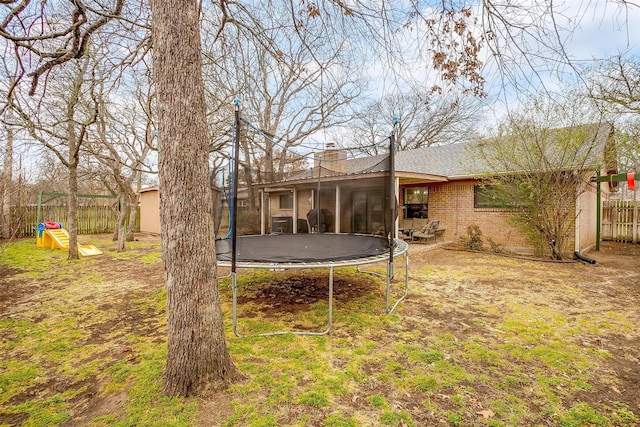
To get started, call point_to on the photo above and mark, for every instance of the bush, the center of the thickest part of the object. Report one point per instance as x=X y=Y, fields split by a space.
x=495 y=247
x=473 y=238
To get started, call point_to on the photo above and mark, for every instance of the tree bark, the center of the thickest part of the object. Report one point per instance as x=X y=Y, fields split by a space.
x=72 y=225
x=133 y=205
x=198 y=358
x=120 y=227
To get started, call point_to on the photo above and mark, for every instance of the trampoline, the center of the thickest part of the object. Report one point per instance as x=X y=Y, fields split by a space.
x=318 y=251
x=365 y=231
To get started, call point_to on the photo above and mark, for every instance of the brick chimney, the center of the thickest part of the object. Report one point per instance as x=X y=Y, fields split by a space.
x=331 y=161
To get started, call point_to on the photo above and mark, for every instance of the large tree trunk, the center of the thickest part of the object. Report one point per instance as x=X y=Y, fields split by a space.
x=198 y=358
x=120 y=226
x=133 y=209
x=72 y=226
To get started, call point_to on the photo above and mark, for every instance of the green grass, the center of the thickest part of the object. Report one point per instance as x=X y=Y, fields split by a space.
x=81 y=335
x=24 y=255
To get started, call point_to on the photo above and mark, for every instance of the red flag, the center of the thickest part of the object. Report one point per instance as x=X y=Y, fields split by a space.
x=631 y=184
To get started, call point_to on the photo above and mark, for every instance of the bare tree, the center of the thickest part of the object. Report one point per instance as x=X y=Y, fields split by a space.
x=6 y=183
x=541 y=160
x=52 y=42
x=529 y=40
x=294 y=84
x=120 y=145
x=61 y=122
x=614 y=86
x=423 y=120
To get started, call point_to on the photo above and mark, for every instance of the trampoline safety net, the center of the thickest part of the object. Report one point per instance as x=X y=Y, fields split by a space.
x=290 y=206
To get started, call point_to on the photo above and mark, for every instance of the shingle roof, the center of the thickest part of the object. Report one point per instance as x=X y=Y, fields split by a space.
x=461 y=160
x=450 y=161
x=446 y=160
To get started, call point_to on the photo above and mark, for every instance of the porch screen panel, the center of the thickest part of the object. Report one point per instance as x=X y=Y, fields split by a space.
x=287 y=186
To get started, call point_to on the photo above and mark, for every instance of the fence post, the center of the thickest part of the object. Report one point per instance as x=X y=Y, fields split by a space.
x=614 y=221
x=635 y=222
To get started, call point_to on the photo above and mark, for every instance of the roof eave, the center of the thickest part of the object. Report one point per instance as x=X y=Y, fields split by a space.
x=425 y=177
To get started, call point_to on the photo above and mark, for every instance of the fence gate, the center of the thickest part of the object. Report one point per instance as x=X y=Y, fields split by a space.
x=621 y=221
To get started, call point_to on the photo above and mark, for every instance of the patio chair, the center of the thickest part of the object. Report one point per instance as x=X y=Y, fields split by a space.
x=428 y=231
x=406 y=231
x=319 y=223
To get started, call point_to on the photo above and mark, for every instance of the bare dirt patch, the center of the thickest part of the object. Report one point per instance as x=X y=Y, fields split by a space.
x=11 y=293
x=299 y=292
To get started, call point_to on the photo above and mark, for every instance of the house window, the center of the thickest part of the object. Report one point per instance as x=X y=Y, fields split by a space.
x=416 y=202
x=286 y=201
x=487 y=196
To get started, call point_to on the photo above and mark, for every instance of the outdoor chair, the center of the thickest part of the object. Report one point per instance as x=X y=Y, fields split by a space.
x=319 y=223
x=406 y=231
x=428 y=231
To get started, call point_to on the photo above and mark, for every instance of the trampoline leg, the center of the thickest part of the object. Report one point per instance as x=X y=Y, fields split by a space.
x=406 y=283
x=388 y=288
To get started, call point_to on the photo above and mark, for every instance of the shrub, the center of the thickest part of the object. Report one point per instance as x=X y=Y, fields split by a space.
x=473 y=239
x=495 y=247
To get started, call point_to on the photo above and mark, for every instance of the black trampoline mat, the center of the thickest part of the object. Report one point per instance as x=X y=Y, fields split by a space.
x=302 y=248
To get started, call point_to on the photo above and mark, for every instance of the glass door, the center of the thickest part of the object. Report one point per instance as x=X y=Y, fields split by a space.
x=368 y=215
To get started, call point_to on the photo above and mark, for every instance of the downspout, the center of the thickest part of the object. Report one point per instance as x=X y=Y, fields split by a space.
x=598 y=211
x=584 y=258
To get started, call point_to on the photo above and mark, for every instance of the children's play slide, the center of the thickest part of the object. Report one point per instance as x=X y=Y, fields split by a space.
x=52 y=235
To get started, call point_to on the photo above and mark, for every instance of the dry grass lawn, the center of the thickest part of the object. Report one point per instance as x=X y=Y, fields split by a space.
x=481 y=340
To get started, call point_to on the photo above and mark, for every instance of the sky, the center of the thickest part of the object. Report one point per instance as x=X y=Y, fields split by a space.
x=600 y=29
x=593 y=31
x=605 y=28
x=589 y=31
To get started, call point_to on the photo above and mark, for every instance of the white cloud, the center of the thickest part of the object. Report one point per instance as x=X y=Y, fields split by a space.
x=602 y=29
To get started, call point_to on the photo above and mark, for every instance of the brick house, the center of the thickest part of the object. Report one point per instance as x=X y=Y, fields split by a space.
x=437 y=182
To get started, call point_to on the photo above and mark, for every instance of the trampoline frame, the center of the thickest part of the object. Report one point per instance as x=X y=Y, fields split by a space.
x=400 y=248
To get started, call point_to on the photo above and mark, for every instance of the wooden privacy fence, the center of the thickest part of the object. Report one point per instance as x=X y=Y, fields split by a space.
x=90 y=219
x=621 y=221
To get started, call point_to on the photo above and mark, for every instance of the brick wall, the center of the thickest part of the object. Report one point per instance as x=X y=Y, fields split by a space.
x=453 y=205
